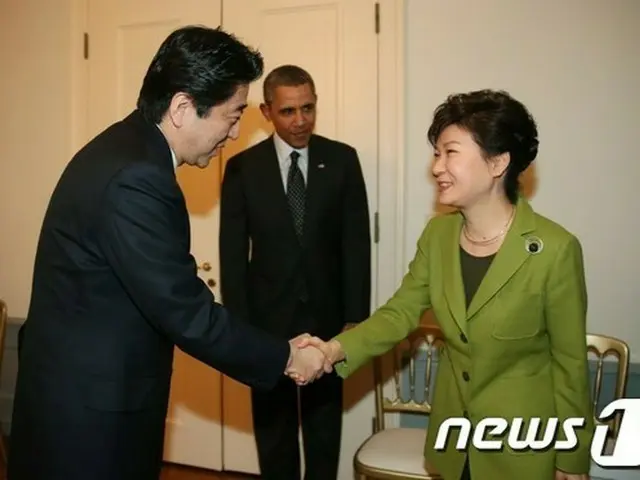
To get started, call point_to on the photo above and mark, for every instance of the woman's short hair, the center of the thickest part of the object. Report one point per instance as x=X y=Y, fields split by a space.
x=498 y=123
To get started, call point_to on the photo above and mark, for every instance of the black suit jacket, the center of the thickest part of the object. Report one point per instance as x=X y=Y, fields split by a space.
x=265 y=270
x=114 y=289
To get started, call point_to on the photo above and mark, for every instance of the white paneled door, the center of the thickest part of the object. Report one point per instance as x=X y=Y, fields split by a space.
x=209 y=421
x=123 y=37
x=336 y=41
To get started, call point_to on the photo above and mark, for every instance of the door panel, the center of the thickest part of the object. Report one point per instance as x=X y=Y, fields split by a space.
x=335 y=41
x=123 y=38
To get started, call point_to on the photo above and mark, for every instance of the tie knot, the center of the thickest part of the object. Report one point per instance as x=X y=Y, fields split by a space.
x=294 y=156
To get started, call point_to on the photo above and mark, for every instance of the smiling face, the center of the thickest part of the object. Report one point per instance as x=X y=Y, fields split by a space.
x=463 y=175
x=198 y=139
x=292 y=110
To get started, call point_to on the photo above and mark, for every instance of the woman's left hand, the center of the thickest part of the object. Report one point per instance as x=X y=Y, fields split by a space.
x=560 y=475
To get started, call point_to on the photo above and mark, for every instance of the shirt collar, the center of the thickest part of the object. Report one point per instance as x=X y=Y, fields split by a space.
x=283 y=149
x=174 y=160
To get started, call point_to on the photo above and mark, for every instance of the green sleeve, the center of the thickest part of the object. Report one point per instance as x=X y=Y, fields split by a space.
x=565 y=313
x=392 y=322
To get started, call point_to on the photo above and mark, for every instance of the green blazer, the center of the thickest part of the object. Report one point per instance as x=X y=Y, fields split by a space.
x=519 y=350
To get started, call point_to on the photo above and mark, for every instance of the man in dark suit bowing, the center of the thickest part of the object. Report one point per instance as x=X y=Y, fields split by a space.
x=115 y=287
x=295 y=257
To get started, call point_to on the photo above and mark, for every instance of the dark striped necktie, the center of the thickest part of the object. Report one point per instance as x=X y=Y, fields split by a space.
x=296 y=193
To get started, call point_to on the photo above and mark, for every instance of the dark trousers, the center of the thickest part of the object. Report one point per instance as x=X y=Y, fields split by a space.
x=20 y=338
x=277 y=415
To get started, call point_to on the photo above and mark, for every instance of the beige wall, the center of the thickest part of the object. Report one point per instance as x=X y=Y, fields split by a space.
x=35 y=135
x=576 y=65
x=35 y=143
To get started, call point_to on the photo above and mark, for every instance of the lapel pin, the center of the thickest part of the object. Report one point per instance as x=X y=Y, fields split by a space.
x=321 y=165
x=533 y=245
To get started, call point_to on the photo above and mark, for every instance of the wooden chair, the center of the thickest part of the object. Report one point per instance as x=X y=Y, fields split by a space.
x=4 y=318
x=603 y=346
x=398 y=453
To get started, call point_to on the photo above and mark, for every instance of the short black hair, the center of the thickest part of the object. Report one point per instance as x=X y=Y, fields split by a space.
x=205 y=63
x=285 y=76
x=498 y=123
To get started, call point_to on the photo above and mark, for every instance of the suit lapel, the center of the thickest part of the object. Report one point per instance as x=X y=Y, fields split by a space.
x=315 y=181
x=509 y=259
x=453 y=286
x=273 y=186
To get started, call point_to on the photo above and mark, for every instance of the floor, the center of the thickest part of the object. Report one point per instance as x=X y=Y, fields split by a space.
x=174 y=472
x=177 y=472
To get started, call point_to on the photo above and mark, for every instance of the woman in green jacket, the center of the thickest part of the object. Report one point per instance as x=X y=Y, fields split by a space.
x=507 y=288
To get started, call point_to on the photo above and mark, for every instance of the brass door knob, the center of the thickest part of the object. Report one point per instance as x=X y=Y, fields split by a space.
x=211 y=282
x=206 y=266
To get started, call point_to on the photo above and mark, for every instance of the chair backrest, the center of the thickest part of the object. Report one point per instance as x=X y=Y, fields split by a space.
x=603 y=346
x=420 y=348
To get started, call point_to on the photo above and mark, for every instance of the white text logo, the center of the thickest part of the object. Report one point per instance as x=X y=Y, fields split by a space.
x=624 y=453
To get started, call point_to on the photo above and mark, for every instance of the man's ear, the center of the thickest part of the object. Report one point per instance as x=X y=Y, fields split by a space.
x=266 y=113
x=180 y=104
x=499 y=164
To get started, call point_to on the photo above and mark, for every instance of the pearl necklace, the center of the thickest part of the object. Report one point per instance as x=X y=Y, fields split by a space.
x=492 y=239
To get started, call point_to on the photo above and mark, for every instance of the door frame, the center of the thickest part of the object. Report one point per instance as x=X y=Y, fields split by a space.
x=391 y=149
x=79 y=75
x=391 y=158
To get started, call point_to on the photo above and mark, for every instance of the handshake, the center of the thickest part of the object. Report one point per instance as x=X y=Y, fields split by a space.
x=311 y=357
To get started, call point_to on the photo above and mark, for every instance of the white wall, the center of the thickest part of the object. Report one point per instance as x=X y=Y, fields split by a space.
x=576 y=65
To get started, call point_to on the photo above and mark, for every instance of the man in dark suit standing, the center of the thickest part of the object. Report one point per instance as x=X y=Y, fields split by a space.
x=295 y=257
x=115 y=287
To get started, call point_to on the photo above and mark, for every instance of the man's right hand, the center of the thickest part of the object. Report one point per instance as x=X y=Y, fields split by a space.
x=332 y=349
x=306 y=364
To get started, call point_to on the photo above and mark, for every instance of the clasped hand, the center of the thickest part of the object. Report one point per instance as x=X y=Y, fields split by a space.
x=310 y=359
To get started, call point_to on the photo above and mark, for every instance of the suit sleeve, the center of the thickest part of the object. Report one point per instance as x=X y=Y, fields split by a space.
x=142 y=237
x=392 y=322
x=356 y=244
x=566 y=313
x=234 y=241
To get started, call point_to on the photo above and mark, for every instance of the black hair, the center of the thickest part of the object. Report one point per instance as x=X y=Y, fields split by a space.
x=285 y=76
x=205 y=63
x=498 y=123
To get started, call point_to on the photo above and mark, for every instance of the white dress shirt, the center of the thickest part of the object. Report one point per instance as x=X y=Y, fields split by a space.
x=283 y=150
x=174 y=159
x=173 y=155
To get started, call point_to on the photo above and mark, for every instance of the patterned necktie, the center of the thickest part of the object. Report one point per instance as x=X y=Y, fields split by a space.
x=296 y=193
